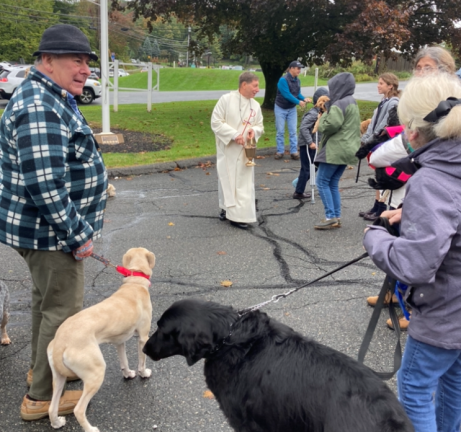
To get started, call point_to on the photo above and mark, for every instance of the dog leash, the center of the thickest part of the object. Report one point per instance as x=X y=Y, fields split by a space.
x=122 y=270
x=275 y=298
x=387 y=287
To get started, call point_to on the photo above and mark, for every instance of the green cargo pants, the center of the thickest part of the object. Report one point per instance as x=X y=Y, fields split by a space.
x=57 y=293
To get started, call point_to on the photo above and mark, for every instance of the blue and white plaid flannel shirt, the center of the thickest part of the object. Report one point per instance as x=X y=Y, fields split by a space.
x=52 y=177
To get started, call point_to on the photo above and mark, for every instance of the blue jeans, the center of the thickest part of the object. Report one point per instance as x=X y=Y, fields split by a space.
x=290 y=116
x=427 y=370
x=327 y=180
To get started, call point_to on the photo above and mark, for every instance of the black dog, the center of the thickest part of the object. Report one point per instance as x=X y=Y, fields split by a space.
x=268 y=378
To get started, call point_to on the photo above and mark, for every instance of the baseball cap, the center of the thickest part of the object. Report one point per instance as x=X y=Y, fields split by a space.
x=296 y=63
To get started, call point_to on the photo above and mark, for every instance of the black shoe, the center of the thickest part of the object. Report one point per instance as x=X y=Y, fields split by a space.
x=363 y=213
x=301 y=195
x=371 y=216
x=243 y=226
x=222 y=215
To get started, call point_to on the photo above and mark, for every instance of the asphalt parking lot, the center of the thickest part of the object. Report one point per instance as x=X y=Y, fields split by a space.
x=174 y=214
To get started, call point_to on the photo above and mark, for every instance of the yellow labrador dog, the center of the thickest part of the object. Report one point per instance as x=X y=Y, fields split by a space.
x=75 y=348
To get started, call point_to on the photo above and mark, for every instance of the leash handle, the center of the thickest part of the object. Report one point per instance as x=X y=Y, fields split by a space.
x=105 y=261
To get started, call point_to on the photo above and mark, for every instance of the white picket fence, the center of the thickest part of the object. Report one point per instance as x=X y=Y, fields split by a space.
x=114 y=86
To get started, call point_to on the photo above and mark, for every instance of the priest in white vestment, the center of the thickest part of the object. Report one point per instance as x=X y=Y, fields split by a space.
x=237 y=118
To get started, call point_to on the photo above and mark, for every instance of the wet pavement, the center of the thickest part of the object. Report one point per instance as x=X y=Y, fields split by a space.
x=175 y=215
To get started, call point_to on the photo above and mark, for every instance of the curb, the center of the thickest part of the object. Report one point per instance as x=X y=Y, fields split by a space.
x=165 y=167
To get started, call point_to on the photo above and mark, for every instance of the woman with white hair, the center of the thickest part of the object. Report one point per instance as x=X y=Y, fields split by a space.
x=427 y=254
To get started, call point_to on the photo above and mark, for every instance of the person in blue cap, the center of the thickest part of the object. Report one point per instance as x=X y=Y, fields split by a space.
x=288 y=97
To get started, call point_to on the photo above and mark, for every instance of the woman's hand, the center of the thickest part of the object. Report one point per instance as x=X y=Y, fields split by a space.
x=394 y=216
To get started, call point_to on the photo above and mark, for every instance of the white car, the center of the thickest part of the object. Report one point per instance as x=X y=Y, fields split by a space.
x=121 y=73
x=10 y=80
x=91 y=91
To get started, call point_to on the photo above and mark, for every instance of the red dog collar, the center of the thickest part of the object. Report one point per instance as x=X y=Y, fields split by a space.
x=127 y=273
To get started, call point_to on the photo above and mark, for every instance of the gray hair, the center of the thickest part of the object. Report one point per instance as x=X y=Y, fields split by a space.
x=39 y=60
x=247 y=77
x=421 y=96
x=441 y=56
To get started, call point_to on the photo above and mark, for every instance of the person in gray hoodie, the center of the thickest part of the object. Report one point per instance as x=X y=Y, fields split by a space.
x=307 y=143
x=340 y=129
x=427 y=254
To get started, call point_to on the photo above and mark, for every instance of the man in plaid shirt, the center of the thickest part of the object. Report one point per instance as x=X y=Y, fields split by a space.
x=52 y=195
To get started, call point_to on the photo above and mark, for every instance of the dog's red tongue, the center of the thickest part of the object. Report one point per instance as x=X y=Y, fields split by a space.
x=125 y=272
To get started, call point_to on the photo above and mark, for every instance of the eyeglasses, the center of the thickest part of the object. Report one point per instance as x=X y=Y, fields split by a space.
x=424 y=69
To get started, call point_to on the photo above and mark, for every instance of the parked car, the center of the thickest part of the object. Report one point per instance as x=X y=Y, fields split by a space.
x=5 y=65
x=10 y=79
x=93 y=76
x=121 y=73
x=96 y=71
x=91 y=91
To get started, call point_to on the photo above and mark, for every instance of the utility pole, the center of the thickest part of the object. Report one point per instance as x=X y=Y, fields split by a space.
x=188 y=42
x=106 y=136
x=104 y=49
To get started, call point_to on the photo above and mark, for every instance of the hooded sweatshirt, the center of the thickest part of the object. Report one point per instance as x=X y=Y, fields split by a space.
x=340 y=125
x=308 y=121
x=427 y=255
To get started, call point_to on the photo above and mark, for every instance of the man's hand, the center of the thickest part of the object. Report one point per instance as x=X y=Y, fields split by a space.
x=302 y=104
x=394 y=216
x=83 y=251
x=251 y=134
x=308 y=100
x=312 y=146
x=239 y=140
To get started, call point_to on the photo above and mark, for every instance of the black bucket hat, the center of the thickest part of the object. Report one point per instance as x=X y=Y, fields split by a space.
x=65 y=39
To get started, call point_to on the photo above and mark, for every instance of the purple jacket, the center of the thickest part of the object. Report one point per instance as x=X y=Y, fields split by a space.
x=427 y=255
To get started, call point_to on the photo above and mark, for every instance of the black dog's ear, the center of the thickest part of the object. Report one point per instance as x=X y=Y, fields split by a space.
x=195 y=346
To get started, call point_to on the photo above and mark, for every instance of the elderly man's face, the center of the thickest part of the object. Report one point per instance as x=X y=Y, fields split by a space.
x=249 y=90
x=69 y=71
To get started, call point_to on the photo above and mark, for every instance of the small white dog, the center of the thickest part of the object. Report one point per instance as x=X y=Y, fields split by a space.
x=75 y=348
x=111 y=190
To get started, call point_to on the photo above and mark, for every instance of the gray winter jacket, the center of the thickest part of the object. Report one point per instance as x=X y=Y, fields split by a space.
x=379 y=122
x=427 y=255
x=308 y=121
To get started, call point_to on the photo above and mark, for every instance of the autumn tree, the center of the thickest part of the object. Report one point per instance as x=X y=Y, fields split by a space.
x=313 y=31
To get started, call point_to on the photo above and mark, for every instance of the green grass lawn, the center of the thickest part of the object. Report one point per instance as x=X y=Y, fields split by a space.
x=182 y=79
x=187 y=124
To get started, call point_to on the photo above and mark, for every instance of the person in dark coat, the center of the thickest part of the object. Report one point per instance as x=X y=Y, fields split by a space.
x=307 y=143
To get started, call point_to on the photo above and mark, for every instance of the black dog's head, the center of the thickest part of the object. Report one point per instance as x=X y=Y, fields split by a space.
x=190 y=328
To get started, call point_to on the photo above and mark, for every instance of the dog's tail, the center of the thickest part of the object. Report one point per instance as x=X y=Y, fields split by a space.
x=56 y=360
